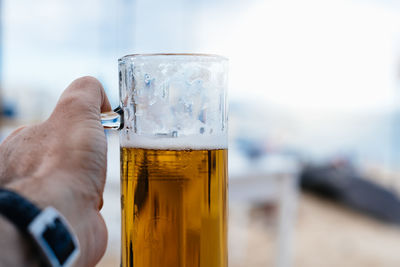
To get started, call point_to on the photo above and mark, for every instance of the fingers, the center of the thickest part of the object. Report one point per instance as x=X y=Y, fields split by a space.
x=84 y=98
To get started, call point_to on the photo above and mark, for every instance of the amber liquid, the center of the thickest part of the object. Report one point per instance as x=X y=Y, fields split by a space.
x=174 y=205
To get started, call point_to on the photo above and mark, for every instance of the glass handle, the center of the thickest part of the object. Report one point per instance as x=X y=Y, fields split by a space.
x=113 y=119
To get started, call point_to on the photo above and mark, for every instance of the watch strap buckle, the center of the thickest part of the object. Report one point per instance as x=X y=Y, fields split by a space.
x=54 y=236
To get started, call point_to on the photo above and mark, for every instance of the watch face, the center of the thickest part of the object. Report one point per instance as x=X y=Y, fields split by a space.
x=59 y=240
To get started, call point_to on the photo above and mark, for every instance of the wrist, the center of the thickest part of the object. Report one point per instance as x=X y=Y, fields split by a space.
x=15 y=250
x=60 y=192
x=45 y=192
x=46 y=230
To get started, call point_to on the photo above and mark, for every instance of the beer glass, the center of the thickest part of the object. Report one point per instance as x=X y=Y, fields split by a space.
x=173 y=138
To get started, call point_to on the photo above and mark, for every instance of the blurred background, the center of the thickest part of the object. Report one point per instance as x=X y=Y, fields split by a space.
x=314 y=110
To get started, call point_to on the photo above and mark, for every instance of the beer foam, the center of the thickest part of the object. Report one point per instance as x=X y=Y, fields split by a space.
x=175 y=143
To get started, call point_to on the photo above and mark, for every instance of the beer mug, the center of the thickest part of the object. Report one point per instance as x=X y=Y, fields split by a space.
x=173 y=148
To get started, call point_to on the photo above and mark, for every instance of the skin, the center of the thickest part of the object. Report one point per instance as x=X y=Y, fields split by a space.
x=61 y=163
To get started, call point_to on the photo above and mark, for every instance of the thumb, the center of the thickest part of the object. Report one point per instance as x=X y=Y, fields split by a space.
x=84 y=99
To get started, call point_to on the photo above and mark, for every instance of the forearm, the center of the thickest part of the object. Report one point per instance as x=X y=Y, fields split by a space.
x=15 y=249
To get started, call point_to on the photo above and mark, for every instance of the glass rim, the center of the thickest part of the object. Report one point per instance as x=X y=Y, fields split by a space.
x=195 y=55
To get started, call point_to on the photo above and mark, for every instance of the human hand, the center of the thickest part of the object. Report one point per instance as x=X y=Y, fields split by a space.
x=62 y=163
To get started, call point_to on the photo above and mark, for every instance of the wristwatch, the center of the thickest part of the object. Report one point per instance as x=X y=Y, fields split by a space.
x=48 y=230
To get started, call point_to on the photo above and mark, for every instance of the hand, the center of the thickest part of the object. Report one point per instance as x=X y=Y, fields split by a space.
x=62 y=163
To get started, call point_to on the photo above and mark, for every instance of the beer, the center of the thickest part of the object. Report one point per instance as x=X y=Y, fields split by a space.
x=173 y=205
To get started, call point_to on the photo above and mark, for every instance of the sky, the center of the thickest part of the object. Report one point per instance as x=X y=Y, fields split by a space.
x=312 y=55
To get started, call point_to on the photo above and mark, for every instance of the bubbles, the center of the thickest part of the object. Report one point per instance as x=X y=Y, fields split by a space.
x=147 y=80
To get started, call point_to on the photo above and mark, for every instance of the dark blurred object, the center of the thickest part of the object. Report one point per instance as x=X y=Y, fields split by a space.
x=7 y=110
x=341 y=182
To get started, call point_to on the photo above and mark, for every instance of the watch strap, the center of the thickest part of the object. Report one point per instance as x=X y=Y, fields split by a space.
x=17 y=210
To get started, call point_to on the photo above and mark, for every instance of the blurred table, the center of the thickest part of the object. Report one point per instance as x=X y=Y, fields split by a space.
x=329 y=235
